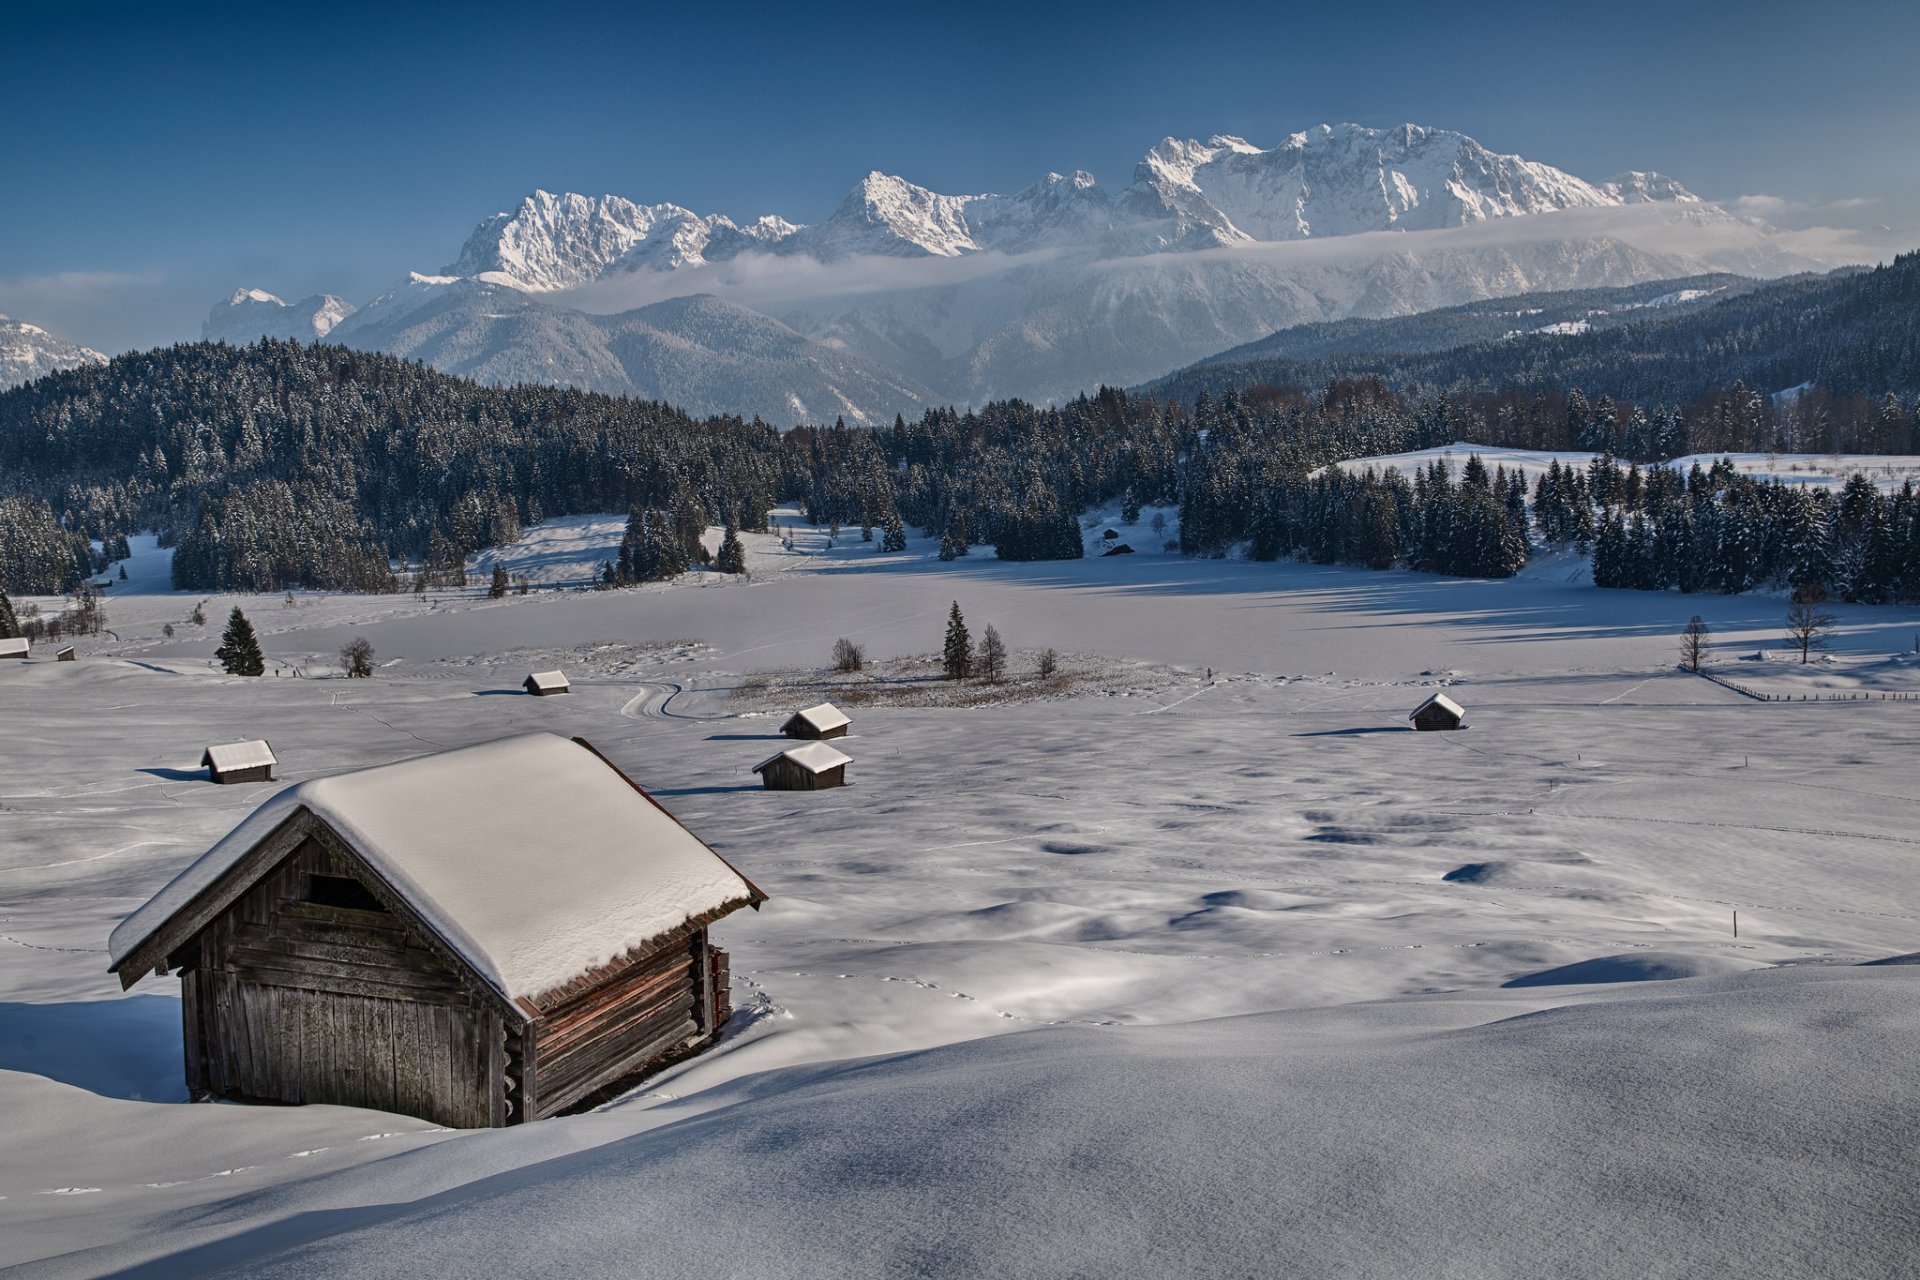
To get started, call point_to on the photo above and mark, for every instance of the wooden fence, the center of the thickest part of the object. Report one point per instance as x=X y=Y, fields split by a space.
x=1757 y=696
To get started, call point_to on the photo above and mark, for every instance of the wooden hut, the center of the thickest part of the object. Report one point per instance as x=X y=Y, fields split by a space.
x=813 y=767
x=64 y=653
x=1438 y=712
x=239 y=761
x=544 y=684
x=425 y=937
x=15 y=647
x=823 y=721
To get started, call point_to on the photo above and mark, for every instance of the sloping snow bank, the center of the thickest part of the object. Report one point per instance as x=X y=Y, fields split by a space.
x=1754 y=1126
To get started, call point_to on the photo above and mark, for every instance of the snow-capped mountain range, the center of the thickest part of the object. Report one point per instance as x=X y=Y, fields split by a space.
x=903 y=296
x=255 y=313
x=27 y=352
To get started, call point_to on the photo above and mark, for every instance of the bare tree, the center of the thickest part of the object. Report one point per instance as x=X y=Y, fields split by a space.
x=990 y=662
x=356 y=658
x=1694 y=643
x=848 y=656
x=1809 y=627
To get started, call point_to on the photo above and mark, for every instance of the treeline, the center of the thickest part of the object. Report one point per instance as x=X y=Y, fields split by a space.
x=282 y=465
x=279 y=465
x=1712 y=529
x=1855 y=333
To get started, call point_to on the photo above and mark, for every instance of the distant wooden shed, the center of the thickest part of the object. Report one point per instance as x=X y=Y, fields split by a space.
x=1438 y=712
x=813 y=767
x=823 y=721
x=15 y=647
x=239 y=761
x=424 y=937
x=544 y=684
x=64 y=653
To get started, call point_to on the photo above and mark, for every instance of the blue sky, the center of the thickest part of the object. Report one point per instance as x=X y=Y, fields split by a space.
x=157 y=156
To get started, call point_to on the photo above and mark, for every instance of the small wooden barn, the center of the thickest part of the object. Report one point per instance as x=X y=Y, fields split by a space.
x=64 y=653
x=813 y=767
x=544 y=684
x=1438 y=712
x=15 y=647
x=823 y=721
x=428 y=938
x=239 y=761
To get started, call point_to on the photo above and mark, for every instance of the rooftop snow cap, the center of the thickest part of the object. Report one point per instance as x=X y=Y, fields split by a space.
x=228 y=756
x=533 y=857
x=824 y=718
x=814 y=757
x=548 y=680
x=15 y=647
x=1443 y=701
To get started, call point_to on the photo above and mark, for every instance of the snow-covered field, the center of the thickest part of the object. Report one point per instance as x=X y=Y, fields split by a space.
x=1820 y=470
x=1222 y=972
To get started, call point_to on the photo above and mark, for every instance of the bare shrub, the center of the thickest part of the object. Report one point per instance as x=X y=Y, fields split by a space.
x=848 y=656
x=356 y=658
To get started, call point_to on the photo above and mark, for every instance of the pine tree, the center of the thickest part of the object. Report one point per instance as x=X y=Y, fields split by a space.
x=957 y=655
x=894 y=536
x=1129 y=508
x=9 y=625
x=733 y=556
x=498 y=587
x=239 y=650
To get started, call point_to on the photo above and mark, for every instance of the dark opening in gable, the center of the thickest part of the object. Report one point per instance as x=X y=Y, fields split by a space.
x=341 y=891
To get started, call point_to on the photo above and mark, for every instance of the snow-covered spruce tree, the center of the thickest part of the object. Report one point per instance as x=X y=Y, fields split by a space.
x=239 y=650
x=498 y=587
x=956 y=657
x=733 y=556
x=9 y=625
x=894 y=538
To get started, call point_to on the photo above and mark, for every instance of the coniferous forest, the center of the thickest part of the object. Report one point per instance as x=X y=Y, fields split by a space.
x=280 y=465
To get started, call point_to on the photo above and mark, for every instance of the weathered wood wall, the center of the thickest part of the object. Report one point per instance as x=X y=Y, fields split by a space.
x=295 y=1001
x=1432 y=718
x=254 y=773
x=588 y=1039
x=785 y=775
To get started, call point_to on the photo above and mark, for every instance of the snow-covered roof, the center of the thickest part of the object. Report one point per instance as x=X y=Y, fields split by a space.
x=14 y=648
x=814 y=757
x=549 y=680
x=532 y=857
x=823 y=717
x=225 y=756
x=1443 y=701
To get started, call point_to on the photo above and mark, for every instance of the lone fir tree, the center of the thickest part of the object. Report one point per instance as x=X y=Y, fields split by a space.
x=9 y=625
x=957 y=655
x=733 y=556
x=894 y=536
x=239 y=650
x=498 y=587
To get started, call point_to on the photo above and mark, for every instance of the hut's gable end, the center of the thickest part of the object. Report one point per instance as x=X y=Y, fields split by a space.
x=315 y=984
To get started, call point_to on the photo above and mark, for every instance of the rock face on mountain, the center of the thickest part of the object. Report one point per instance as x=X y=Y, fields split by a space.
x=27 y=352
x=904 y=296
x=251 y=314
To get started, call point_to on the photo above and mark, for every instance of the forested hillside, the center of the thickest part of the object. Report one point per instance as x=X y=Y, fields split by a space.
x=285 y=465
x=1851 y=333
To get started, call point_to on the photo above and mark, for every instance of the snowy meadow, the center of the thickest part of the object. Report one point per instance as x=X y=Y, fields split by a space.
x=1201 y=964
